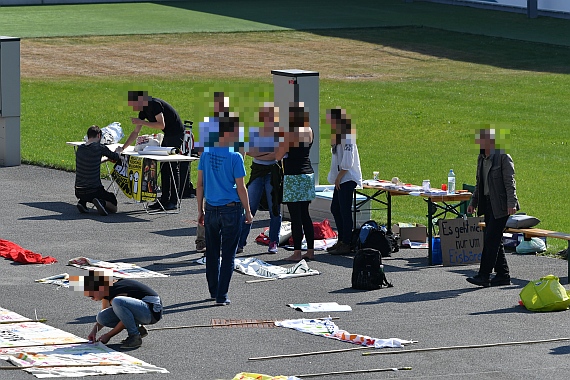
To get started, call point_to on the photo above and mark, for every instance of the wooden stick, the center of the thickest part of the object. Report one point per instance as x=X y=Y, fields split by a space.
x=310 y=353
x=62 y=365
x=465 y=347
x=22 y=321
x=261 y=280
x=356 y=371
x=222 y=325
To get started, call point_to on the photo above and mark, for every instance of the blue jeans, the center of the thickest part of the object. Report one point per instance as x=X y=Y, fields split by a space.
x=255 y=191
x=131 y=311
x=341 y=209
x=223 y=228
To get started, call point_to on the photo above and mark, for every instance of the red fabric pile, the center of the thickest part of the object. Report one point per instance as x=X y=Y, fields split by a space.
x=16 y=253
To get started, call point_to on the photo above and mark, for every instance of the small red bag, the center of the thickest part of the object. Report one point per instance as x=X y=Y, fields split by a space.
x=323 y=230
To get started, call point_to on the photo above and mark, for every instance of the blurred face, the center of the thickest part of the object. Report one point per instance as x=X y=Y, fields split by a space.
x=96 y=295
x=486 y=141
x=139 y=104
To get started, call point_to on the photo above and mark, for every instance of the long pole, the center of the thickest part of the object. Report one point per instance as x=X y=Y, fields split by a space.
x=465 y=347
x=310 y=353
x=355 y=371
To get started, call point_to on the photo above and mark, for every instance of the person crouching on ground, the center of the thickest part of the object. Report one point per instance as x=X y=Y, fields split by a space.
x=495 y=197
x=345 y=175
x=126 y=304
x=221 y=185
x=88 y=186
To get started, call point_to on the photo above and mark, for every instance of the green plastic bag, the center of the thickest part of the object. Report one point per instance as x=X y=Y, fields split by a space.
x=546 y=294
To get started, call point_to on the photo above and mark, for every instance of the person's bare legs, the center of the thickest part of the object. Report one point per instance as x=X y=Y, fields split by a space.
x=296 y=256
x=310 y=255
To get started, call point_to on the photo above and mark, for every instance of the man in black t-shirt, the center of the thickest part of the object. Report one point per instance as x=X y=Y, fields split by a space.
x=158 y=114
x=126 y=304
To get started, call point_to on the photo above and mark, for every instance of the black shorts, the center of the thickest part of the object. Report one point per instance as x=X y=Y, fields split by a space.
x=87 y=195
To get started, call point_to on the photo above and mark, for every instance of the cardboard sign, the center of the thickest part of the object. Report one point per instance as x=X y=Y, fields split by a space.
x=461 y=241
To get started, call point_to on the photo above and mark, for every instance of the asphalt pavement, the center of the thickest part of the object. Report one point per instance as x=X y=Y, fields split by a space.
x=432 y=305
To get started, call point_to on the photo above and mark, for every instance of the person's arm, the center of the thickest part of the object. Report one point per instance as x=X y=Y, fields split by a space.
x=200 y=197
x=158 y=124
x=474 y=202
x=132 y=138
x=243 y=197
x=264 y=156
x=508 y=168
x=92 y=337
x=107 y=336
x=339 y=176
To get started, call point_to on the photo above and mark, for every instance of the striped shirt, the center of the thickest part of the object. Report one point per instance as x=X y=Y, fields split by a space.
x=88 y=165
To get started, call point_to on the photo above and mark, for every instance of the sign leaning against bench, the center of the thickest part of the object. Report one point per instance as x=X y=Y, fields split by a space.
x=461 y=241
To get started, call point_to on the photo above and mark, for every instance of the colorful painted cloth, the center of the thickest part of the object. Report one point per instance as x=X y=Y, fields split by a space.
x=89 y=359
x=18 y=254
x=327 y=328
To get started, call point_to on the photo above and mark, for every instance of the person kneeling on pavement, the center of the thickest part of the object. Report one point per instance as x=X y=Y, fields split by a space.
x=126 y=304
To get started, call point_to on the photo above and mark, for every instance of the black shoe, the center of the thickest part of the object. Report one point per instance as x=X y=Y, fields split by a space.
x=170 y=206
x=341 y=249
x=143 y=331
x=501 y=280
x=155 y=206
x=99 y=204
x=82 y=208
x=480 y=280
x=133 y=341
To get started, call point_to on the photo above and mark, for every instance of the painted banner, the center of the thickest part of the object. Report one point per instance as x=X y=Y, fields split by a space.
x=120 y=270
x=259 y=268
x=7 y=316
x=34 y=334
x=137 y=177
x=75 y=360
x=461 y=241
x=327 y=328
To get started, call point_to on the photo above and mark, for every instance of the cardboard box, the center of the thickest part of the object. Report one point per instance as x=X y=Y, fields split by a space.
x=413 y=232
x=320 y=209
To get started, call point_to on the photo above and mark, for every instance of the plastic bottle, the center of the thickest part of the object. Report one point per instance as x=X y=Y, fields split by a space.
x=451 y=182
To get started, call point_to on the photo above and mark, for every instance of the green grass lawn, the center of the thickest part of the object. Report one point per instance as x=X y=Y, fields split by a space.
x=415 y=127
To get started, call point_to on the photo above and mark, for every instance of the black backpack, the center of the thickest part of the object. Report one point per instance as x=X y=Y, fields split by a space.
x=370 y=235
x=368 y=271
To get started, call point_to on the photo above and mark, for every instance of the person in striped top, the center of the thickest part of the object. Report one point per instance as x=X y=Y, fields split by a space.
x=88 y=186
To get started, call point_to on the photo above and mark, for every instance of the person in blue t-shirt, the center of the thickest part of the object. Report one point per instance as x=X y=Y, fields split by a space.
x=220 y=183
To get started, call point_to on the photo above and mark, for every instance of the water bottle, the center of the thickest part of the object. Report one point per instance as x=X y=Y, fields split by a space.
x=451 y=182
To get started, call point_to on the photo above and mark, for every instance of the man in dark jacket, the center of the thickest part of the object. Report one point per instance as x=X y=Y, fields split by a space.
x=494 y=197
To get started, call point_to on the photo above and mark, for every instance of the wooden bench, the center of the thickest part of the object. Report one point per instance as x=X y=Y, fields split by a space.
x=538 y=232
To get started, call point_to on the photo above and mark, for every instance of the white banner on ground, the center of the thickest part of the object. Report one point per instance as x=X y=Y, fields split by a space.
x=327 y=328
x=7 y=316
x=259 y=268
x=75 y=360
x=120 y=270
x=25 y=334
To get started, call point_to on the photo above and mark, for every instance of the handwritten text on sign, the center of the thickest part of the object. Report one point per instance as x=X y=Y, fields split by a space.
x=461 y=241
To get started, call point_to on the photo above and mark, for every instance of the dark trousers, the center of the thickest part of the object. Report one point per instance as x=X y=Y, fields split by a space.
x=170 y=174
x=301 y=221
x=493 y=256
x=341 y=209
